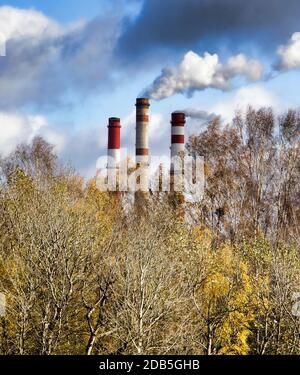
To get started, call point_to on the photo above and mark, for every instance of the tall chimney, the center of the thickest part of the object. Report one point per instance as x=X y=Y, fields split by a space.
x=142 y=142
x=114 y=143
x=142 y=123
x=177 y=135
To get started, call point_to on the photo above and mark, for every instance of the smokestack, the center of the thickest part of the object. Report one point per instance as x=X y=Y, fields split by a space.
x=142 y=122
x=177 y=168
x=114 y=142
x=177 y=135
x=142 y=147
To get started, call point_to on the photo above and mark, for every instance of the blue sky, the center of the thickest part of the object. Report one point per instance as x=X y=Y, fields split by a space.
x=71 y=64
x=63 y=11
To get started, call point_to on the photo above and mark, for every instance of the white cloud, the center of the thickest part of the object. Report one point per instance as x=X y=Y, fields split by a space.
x=79 y=148
x=256 y=96
x=45 y=62
x=200 y=72
x=289 y=54
x=19 y=128
x=26 y=23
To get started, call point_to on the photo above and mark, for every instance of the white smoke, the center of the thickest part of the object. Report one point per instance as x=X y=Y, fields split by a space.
x=289 y=54
x=198 y=114
x=200 y=72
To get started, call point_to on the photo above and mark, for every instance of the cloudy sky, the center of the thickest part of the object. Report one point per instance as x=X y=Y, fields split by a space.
x=68 y=65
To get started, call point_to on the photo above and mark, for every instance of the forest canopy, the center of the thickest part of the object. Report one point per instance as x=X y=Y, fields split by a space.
x=87 y=272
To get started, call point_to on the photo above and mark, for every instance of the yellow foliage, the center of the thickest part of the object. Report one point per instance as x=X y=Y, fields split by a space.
x=227 y=300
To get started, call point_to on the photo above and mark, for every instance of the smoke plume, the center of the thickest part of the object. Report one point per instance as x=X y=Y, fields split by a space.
x=195 y=73
x=198 y=114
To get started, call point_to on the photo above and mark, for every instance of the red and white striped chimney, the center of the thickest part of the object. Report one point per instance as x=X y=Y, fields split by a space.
x=177 y=135
x=142 y=124
x=114 y=143
x=142 y=146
